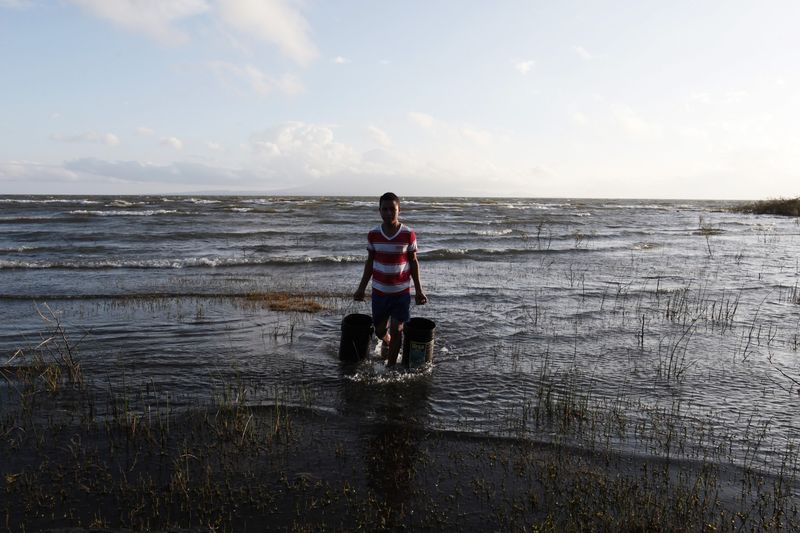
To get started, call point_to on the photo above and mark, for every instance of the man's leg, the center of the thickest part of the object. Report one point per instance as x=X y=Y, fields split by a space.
x=382 y=332
x=396 y=333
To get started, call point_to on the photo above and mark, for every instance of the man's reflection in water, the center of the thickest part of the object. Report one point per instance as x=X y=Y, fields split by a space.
x=393 y=419
x=392 y=443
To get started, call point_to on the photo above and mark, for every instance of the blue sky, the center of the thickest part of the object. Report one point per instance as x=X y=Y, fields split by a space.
x=449 y=97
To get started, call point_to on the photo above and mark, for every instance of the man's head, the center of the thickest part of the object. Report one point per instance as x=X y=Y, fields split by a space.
x=389 y=206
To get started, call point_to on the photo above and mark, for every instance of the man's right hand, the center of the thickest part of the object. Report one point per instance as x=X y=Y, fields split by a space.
x=359 y=295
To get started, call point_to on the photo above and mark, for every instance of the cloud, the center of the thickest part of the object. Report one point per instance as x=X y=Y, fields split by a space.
x=109 y=139
x=275 y=21
x=582 y=53
x=339 y=60
x=379 y=136
x=172 y=142
x=177 y=172
x=456 y=133
x=144 y=131
x=477 y=136
x=213 y=146
x=300 y=149
x=579 y=118
x=726 y=98
x=154 y=19
x=22 y=170
x=633 y=124
x=259 y=82
x=524 y=67
x=422 y=119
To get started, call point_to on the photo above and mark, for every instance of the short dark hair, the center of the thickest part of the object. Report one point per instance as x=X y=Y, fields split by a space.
x=389 y=197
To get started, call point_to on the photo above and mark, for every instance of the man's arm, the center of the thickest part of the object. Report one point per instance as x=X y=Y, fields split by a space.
x=362 y=287
x=419 y=295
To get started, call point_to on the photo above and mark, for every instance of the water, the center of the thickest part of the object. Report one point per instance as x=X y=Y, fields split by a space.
x=661 y=312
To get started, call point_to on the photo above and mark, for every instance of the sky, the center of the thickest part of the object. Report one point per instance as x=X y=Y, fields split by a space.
x=593 y=99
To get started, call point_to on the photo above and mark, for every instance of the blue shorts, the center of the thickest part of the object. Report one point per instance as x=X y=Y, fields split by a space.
x=397 y=306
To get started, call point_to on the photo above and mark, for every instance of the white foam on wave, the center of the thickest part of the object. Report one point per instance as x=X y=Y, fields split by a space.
x=189 y=262
x=115 y=213
x=48 y=201
x=492 y=232
x=203 y=201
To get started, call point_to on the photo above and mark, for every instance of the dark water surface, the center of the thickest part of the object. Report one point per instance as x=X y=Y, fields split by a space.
x=676 y=319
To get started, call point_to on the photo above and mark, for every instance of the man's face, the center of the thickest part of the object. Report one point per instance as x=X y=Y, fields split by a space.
x=389 y=212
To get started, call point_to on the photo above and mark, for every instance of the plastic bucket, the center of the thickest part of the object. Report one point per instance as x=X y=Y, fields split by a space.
x=418 y=336
x=356 y=333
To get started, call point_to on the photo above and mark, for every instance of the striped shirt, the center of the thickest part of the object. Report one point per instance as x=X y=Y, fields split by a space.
x=391 y=272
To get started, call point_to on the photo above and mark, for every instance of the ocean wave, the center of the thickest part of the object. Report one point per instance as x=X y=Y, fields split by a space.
x=18 y=249
x=26 y=220
x=173 y=263
x=48 y=201
x=114 y=213
x=652 y=207
x=491 y=232
x=123 y=203
x=539 y=206
x=203 y=201
x=452 y=254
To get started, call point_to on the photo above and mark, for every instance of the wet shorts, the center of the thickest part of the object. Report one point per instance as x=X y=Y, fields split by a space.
x=396 y=306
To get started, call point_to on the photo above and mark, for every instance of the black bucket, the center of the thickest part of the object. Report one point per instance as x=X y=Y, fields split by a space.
x=356 y=333
x=418 y=342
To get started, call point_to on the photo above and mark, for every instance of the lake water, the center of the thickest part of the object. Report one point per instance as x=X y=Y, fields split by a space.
x=633 y=320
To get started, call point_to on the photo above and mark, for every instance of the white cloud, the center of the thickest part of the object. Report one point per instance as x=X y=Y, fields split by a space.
x=155 y=19
x=579 y=118
x=108 y=139
x=524 y=67
x=422 y=119
x=582 y=53
x=300 y=149
x=734 y=97
x=379 y=136
x=276 y=21
x=258 y=81
x=144 y=131
x=726 y=98
x=477 y=136
x=339 y=60
x=633 y=124
x=21 y=170
x=136 y=171
x=172 y=142
x=55 y=115
x=214 y=146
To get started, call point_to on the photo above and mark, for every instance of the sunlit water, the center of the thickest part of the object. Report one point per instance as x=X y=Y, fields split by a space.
x=653 y=310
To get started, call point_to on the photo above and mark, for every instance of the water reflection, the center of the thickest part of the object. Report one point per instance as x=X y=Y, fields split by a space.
x=393 y=407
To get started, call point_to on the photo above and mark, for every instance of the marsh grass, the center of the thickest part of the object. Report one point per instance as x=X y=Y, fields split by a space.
x=249 y=460
x=289 y=301
x=789 y=207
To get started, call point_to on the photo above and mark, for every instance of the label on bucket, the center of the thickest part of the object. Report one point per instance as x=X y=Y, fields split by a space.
x=417 y=353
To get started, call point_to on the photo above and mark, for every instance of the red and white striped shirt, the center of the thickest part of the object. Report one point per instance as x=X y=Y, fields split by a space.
x=391 y=272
